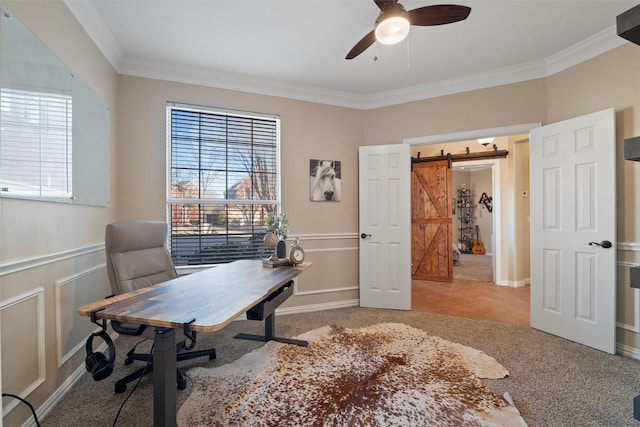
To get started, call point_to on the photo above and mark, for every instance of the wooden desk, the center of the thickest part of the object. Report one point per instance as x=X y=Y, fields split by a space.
x=206 y=301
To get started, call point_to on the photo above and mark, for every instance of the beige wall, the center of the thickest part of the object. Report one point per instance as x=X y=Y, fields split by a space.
x=481 y=182
x=51 y=254
x=610 y=80
x=308 y=131
x=328 y=231
x=51 y=257
x=478 y=182
x=480 y=109
x=522 y=211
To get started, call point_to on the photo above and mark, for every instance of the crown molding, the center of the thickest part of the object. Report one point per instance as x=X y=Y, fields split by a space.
x=497 y=77
x=90 y=19
x=584 y=50
x=141 y=67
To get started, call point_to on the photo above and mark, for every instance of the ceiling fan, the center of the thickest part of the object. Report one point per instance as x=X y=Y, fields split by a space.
x=392 y=25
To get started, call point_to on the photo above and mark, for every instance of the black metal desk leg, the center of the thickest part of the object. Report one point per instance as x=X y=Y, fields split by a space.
x=270 y=327
x=270 y=332
x=164 y=378
x=266 y=310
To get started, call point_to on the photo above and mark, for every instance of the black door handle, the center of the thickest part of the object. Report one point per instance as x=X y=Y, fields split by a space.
x=604 y=244
x=365 y=235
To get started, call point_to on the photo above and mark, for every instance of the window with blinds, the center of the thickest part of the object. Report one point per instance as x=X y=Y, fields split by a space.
x=224 y=181
x=35 y=144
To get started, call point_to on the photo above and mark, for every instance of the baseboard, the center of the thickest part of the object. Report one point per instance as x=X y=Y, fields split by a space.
x=515 y=283
x=52 y=401
x=318 y=307
x=61 y=391
x=57 y=396
x=627 y=351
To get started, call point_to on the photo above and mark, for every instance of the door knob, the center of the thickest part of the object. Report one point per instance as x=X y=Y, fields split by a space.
x=604 y=244
x=365 y=235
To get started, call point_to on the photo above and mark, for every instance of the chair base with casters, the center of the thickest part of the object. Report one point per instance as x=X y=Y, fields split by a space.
x=121 y=385
x=137 y=257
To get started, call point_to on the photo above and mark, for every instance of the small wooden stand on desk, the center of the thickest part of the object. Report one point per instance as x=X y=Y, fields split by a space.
x=206 y=301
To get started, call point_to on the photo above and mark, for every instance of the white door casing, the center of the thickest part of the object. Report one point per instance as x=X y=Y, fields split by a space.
x=385 y=223
x=573 y=203
x=498 y=237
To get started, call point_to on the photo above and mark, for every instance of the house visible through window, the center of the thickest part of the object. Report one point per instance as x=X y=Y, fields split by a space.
x=223 y=182
x=35 y=144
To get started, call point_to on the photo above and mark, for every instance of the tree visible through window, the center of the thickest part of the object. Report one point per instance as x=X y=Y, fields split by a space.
x=223 y=174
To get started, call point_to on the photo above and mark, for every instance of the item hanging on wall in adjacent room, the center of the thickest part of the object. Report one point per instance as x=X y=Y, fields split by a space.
x=487 y=201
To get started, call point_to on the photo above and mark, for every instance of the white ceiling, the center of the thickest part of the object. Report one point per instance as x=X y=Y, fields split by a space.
x=296 y=48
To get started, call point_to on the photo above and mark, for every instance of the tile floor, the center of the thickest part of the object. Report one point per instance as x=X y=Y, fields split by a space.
x=473 y=300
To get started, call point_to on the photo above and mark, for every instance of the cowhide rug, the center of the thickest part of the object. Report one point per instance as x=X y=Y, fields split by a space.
x=382 y=375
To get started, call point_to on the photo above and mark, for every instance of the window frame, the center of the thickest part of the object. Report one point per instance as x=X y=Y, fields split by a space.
x=221 y=202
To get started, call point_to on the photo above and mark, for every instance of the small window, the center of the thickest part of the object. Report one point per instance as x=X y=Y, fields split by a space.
x=35 y=144
x=223 y=182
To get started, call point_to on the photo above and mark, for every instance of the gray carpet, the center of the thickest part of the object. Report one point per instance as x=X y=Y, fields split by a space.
x=474 y=267
x=553 y=382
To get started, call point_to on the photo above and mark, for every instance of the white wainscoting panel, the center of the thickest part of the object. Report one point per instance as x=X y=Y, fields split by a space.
x=70 y=293
x=629 y=301
x=23 y=346
x=330 y=271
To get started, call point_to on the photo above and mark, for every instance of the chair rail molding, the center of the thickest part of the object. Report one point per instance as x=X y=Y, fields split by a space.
x=628 y=246
x=22 y=264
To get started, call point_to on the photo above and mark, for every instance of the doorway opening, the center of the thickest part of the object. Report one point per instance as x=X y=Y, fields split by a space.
x=504 y=231
x=473 y=226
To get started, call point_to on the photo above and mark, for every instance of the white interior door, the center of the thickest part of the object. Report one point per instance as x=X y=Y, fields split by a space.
x=573 y=200
x=385 y=226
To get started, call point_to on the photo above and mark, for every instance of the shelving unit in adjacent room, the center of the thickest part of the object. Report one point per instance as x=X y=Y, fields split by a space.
x=464 y=206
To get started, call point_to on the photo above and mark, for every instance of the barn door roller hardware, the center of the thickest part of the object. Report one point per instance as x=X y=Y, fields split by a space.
x=468 y=156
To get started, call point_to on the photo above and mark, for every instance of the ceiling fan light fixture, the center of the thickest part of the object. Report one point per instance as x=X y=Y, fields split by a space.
x=392 y=26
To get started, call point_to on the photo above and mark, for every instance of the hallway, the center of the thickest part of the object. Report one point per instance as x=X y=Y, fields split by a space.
x=473 y=300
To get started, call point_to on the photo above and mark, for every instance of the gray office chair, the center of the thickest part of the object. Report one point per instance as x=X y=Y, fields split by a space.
x=136 y=258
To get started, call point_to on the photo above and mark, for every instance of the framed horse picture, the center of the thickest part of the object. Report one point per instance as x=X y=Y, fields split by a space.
x=325 y=180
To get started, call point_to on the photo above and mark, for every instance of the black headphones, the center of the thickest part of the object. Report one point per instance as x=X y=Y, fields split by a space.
x=98 y=364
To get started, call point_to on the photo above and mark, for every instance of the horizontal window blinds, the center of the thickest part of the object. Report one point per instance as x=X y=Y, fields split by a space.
x=224 y=182
x=35 y=143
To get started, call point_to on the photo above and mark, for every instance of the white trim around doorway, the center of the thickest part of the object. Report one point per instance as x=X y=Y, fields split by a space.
x=524 y=128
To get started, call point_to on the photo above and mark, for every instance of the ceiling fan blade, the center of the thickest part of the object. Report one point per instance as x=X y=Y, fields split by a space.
x=362 y=45
x=438 y=14
x=384 y=4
